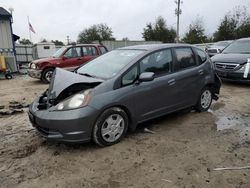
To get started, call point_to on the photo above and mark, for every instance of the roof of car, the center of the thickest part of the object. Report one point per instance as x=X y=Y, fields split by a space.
x=248 y=38
x=85 y=45
x=149 y=47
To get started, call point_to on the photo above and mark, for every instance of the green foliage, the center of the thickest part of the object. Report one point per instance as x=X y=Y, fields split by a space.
x=234 y=25
x=57 y=42
x=25 y=41
x=99 y=32
x=195 y=34
x=159 y=32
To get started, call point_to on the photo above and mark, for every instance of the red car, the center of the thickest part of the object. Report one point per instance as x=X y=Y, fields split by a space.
x=67 y=57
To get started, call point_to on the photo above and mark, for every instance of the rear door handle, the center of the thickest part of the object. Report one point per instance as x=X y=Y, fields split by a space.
x=201 y=71
x=171 y=82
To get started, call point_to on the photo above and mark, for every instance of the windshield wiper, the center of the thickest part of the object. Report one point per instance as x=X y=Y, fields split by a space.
x=86 y=74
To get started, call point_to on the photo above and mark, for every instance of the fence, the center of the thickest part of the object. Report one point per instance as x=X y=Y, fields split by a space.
x=23 y=53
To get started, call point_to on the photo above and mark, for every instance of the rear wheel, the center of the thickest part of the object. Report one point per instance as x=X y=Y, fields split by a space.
x=205 y=100
x=110 y=127
x=8 y=76
x=47 y=75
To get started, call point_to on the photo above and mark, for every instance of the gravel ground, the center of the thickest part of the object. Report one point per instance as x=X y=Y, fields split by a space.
x=183 y=151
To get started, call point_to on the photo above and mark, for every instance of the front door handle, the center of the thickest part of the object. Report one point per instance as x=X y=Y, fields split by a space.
x=201 y=71
x=171 y=82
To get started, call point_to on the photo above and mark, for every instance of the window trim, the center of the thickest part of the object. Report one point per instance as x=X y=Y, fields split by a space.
x=176 y=66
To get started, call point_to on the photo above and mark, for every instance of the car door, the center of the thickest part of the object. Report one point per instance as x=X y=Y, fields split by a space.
x=187 y=76
x=156 y=97
x=72 y=58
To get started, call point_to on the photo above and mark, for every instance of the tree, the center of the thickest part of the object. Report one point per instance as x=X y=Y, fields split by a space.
x=25 y=41
x=57 y=42
x=234 y=25
x=195 y=33
x=99 y=32
x=159 y=31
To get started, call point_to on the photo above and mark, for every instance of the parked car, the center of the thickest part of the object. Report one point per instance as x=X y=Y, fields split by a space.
x=67 y=57
x=233 y=63
x=217 y=47
x=114 y=92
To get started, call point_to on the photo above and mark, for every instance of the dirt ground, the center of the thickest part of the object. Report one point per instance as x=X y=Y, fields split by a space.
x=182 y=152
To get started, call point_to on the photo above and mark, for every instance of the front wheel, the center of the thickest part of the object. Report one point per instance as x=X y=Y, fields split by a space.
x=110 y=127
x=47 y=75
x=205 y=100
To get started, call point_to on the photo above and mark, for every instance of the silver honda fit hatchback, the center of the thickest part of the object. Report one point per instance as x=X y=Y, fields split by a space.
x=115 y=92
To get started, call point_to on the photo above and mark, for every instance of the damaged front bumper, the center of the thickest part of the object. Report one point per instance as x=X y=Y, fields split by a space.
x=69 y=126
x=33 y=73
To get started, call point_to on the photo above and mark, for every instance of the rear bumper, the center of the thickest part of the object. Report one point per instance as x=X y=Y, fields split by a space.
x=34 y=73
x=66 y=126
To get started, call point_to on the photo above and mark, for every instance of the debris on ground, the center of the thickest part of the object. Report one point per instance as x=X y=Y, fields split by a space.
x=17 y=105
x=232 y=168
x=146 y=130
x=2 y=107
x=11 y=112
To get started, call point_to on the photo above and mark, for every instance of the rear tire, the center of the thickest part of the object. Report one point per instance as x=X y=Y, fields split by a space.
x=205 y=100
x=47 y=75
x=110 y=127
x=8 y=76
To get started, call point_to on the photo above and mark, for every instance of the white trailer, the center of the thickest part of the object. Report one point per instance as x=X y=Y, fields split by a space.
x=43 y=50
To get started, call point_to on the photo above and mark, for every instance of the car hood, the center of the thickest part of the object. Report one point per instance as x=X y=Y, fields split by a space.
x=48 y=59
x=62 y=79
x=231 y=58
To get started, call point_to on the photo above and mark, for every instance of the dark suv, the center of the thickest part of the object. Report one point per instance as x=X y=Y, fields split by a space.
x=114 y=92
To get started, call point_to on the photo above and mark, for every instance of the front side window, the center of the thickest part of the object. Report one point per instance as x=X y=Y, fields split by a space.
x=108 y=65
x=185 y=58
x=130 y=76
x=159 y=62
x=73 y=52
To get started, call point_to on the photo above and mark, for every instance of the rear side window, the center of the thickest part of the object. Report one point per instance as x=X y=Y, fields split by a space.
x=185 y=58
x=103 y=49
x=158 y=62
x=89 y=51
x=202 y=56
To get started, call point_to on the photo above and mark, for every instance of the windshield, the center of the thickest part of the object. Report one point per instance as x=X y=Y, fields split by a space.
x=223 y=44
x=109 y=64
x=59 y=52
x=238 y=47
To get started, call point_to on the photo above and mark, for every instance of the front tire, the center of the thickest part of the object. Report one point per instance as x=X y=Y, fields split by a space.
x=110 y=127
x=47 y=75
x=205 y=100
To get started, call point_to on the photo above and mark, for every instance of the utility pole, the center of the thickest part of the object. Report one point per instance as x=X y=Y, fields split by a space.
x=178 y=12
x=67 y=40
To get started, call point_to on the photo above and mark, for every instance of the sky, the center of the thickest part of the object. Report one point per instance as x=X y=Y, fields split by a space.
x=57 y=19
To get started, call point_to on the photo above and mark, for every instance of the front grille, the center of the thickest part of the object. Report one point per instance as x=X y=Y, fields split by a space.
x=212 y=51
x=226 y=66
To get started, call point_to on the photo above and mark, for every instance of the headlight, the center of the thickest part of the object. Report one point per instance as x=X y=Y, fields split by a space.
x=76 y=101
x=33 y=66
x=242 y=69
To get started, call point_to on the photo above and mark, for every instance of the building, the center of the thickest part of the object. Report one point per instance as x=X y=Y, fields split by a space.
x=7 y=38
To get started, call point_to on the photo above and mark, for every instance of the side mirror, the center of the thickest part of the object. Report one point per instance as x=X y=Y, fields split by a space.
x=219 y=50
x=146 y=77
x=64 y=58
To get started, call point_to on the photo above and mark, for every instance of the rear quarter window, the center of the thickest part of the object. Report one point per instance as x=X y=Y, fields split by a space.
x=201 y=56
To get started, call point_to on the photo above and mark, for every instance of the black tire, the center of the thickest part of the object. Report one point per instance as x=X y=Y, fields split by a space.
x=100 y=123
x=45 y=75
x=202 y=106
x=8 y=76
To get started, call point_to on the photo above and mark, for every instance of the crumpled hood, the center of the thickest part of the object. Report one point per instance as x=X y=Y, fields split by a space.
x=231 y=58
x=63 y=79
